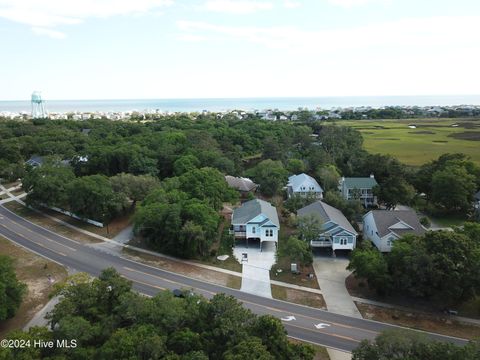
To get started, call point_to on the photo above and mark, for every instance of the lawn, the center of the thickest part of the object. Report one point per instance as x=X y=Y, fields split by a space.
x=298 y=297
x=420 y=321
x=430 y=139
x=32 y=270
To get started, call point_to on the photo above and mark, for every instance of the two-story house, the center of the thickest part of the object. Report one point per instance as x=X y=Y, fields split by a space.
x=304 y=185
x=337 y=232
x=383 y=227
x=256 y=220
x=360 y=188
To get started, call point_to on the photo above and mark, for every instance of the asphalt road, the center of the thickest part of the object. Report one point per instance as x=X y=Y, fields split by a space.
x=301 y=322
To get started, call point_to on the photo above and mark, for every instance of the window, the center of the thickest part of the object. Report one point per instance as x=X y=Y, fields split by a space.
x=254 y=230
x=269 y=232
x=343 y=241
x=350 y=240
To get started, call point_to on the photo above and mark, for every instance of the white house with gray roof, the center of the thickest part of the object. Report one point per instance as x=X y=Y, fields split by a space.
x=256 y=219
x=383 y=227
x=304 y=185
x=359 y=188
x=337 y=232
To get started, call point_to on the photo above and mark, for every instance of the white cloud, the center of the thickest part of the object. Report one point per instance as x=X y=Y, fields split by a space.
x=191 y=38
x=353 y=3
x=290 y=4
x=53 y=13
x=237 y=6
x=48 y=32
x=422 y=33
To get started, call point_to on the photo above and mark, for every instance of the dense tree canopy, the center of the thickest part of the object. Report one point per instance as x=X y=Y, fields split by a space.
x=11 y=290
x=450 y=182
x=270 y=175
x=110 y=321
x=403 y=345
x=176 y=223
x=444 y=265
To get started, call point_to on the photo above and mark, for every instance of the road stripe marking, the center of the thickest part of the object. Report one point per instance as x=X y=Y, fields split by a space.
x=36 y=225
x=252 y=303
x=34 y=242
x=37 y=234
x=163 y=279
x=289 y=324
x=143 y=283
x=33 y=251
x=321 y=332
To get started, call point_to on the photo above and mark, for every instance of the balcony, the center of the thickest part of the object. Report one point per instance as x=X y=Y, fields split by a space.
x=239 y=234
x=320 y=243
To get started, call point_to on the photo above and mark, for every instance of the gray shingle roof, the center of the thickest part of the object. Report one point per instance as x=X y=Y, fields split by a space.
x=327 y=213
x=384 y=219
x=253 y=208
x=240 y=183
x=296 y=181
x=360 y=182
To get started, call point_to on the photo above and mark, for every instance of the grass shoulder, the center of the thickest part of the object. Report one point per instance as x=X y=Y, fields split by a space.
x=33 y=270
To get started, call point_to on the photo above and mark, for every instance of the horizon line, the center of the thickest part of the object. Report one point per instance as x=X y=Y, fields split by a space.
x=248 y=98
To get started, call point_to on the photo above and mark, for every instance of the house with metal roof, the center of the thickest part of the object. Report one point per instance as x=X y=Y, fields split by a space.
x=256 y=220
x=244 y=185
x=337 y=232
x=360 y=188
x=383 y=227
x=304 y=185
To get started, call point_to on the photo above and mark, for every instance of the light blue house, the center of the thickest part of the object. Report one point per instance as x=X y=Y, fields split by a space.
x=304 y=185
x=337 y=232
x=257 y=220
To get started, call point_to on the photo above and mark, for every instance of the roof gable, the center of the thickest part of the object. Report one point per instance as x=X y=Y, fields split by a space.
x=304 y=182
x=397 y=221
x=328 y=214
x=252 y=209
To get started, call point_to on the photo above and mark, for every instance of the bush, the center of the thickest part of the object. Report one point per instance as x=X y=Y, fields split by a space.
x=425 y=221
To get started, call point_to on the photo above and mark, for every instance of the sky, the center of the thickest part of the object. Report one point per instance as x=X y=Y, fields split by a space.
x=154 y=49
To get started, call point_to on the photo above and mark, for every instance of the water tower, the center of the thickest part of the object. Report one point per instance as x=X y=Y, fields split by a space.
x=38 y=106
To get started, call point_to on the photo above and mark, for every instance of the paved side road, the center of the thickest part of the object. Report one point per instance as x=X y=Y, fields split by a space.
x=307 y=324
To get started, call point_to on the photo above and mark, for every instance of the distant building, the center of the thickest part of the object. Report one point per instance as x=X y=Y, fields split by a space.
x=359 y=187
x=304 y=185
x=244 y=185
x=477 y=199
x=383 y=227
x=337 y=232
x=256 y=220
x=35 y=161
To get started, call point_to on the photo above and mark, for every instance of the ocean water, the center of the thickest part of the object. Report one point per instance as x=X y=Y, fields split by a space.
x=287 y=103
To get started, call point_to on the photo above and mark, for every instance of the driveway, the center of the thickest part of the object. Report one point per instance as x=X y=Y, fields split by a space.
x=331 y=273
x=256 y=270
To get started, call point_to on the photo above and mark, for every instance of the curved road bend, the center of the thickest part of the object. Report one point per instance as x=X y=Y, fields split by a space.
x=301 y=322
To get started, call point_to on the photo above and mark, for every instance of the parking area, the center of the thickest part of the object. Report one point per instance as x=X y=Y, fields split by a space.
x=256 y=266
